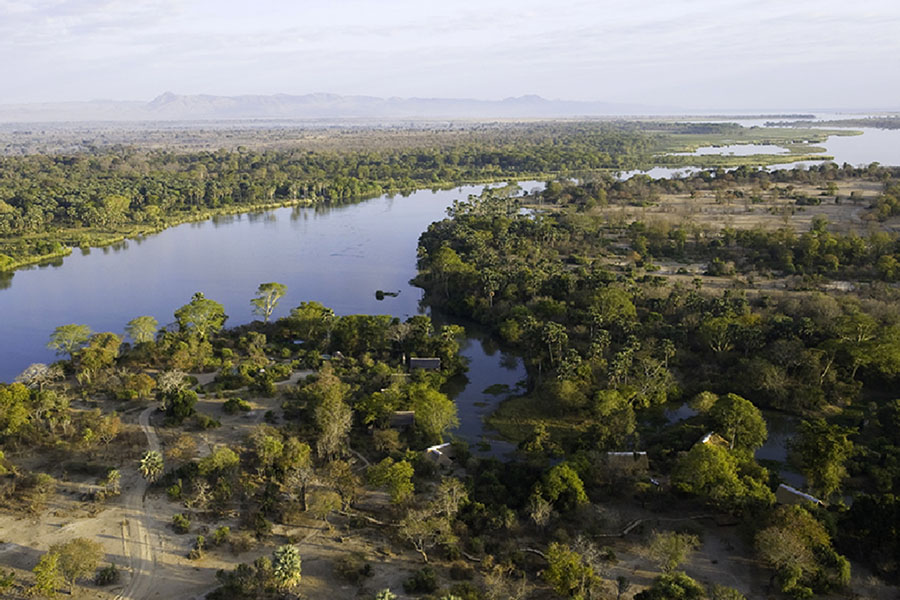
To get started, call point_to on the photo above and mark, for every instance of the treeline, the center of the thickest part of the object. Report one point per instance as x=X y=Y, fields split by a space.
x=604 y=345
x=46 y=201
x=887 y=122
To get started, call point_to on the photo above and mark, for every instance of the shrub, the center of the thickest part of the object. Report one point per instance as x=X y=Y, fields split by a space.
x=235 y=405
x=460 y=571
x=241 y=542
x=423 y=581
x=196 y=552
x=174 y=491
x=181 y=523
x=108 y=575
x=221 y=535
x=352 y=567
x=7 y=580
x=464 y=591
x=203 y=422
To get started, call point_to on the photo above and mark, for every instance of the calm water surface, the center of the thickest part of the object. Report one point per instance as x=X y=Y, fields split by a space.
x=338 y=256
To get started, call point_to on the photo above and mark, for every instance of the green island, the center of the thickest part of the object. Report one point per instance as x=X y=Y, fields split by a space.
x=664 y=325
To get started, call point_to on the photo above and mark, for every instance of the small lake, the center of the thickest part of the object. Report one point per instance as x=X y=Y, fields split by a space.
x=336 y=255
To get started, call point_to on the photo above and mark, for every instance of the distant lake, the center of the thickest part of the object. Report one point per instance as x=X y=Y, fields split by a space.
x=874 y=145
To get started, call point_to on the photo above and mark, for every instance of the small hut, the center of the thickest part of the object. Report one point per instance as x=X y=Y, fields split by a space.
x=442 y=454
x=715 y=439
x=427 y=364
x=403 y=419
x=627 y=463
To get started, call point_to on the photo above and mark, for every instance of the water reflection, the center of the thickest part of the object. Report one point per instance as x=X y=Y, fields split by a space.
x=494 y=374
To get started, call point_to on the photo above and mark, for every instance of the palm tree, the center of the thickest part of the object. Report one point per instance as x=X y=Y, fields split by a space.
x=151 y=465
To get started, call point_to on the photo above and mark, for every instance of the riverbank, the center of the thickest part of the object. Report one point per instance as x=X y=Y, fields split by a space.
x=87 y=238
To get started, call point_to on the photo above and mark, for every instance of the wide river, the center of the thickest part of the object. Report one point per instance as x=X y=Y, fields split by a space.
x=337 y=255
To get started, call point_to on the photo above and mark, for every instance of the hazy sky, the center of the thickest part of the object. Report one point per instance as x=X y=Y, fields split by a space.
x=690 y=53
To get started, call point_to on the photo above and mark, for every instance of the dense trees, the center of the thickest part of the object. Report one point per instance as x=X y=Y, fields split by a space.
x=605 y=342
x=49 y=201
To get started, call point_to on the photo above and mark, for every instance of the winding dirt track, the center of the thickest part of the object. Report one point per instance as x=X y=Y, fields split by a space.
x=136 y=536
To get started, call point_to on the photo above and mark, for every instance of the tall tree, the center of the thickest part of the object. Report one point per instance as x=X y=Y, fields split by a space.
x=67 y=339
x=296 y=464
x=39 y=375
x=333 y=417
x=564 y=488
x=201 y=316
x=740 y=421
x=395 y=476
x=425 y=531
x=435 y=412
x=99 y=353
x=78 y=558
x=799 y=548
x=718 y=474
x=142 y=329
x=820 y=451
x=267 y=297
x=569 y=574
x=669 y=549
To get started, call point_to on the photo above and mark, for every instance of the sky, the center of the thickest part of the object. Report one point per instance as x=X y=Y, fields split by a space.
x=694 y=54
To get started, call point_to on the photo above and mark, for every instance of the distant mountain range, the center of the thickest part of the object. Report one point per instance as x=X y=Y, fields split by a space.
x=175 y=107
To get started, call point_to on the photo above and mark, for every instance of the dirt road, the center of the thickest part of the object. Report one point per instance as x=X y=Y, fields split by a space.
x=141 y=544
